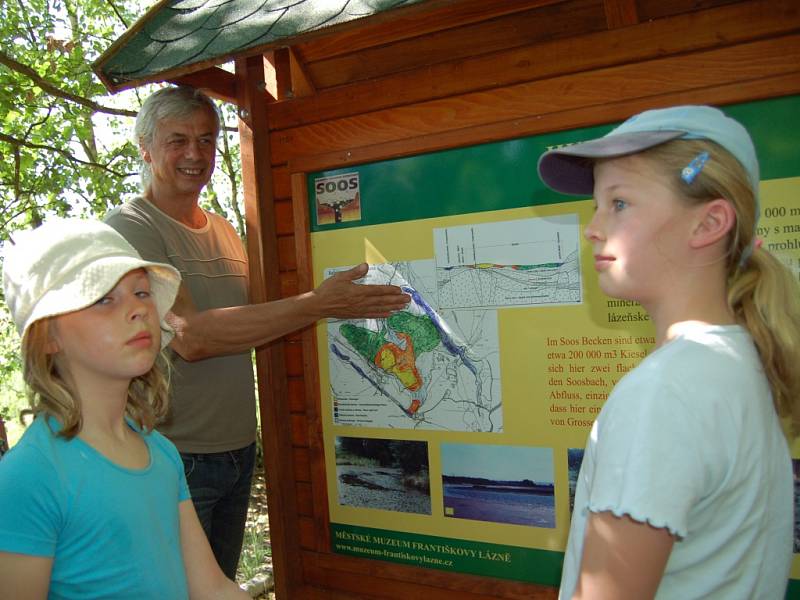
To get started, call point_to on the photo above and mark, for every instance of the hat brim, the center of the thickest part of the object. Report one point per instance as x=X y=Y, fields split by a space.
x=80 y=292
x=570 y=170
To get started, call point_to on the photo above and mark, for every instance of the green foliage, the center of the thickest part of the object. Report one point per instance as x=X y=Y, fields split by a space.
x=12 y=396
x=54 y=160
x=66 y=144
x=256 y=552
x=410 y=456
x=12 y=391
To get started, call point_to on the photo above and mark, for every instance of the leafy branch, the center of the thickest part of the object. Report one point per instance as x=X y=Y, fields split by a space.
x=16 y=143
x=54 y=90
x=117 y=12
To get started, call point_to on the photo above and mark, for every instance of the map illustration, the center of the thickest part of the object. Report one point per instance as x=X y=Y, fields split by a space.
x=512 y=263
x=419 y=369
x=436 y=365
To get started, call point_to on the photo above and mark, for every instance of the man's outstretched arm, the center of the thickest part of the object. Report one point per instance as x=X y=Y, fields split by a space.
x=220 y=331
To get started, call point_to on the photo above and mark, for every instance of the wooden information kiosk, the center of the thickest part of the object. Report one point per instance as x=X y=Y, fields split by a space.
x=391 y=137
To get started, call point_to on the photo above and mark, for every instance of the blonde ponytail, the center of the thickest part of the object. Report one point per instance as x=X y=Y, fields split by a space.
x=763 y=294
x=765 y=297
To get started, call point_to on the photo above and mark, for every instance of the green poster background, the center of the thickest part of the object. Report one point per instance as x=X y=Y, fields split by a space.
x=477 y=558
x=503 y=175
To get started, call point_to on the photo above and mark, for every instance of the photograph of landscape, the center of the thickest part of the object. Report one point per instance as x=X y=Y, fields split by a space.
x=501 y=484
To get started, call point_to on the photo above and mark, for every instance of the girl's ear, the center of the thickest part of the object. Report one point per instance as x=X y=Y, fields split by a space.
x=716 y=219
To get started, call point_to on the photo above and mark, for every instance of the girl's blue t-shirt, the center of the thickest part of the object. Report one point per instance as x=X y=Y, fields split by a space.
x=112 y=532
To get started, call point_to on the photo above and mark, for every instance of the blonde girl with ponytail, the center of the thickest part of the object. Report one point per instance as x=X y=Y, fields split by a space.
x=686 y=487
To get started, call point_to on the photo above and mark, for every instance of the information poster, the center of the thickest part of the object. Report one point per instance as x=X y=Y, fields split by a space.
x=454 y=430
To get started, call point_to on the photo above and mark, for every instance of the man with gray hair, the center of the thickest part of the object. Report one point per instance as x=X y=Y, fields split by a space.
x=213 y=419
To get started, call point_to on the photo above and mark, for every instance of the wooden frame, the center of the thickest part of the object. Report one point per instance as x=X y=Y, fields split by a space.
x=320 y=115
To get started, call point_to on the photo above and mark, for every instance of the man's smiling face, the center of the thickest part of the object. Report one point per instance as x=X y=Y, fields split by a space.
x=181 y=155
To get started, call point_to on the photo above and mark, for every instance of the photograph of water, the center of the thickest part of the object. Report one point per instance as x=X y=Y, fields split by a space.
x=500 y=484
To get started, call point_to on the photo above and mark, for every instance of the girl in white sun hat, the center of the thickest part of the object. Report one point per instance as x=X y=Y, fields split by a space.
x=94 y=501
x=686 y=487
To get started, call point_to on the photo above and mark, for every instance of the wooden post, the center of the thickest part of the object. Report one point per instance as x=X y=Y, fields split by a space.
x=262 y=249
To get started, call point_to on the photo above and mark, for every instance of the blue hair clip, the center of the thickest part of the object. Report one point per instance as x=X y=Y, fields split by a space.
x=691 y=170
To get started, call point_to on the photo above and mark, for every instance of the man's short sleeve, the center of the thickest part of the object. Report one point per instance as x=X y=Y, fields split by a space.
x=136 y=227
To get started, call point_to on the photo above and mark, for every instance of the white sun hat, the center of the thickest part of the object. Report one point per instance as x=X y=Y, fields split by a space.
x=65 y=265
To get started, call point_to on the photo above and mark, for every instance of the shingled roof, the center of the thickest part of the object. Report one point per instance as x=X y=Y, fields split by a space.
x=176 y=37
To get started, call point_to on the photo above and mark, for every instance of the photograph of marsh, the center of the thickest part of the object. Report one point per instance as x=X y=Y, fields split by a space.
x=574 y=460
x=796 y=468
x=383 y=474
x=501 y=484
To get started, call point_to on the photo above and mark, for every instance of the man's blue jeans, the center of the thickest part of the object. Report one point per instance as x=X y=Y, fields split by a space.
x=220 y=487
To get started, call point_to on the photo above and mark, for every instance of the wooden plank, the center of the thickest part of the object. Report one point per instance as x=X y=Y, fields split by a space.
x=216 y=82
x=308 y=592
x=297 y=395
x=281 y=63
x=536 y=124
x=302 y=227
x=288 y=280
x=658 y=9
x=299 y=429
x=712 y=68
x=295 y=337
x=270 y=364
x=620 y=13
x=284 y=221
x=307 y=533
x=431 y=16
x=286 y=256
x=305 y=499
x=293 y=351
x=302 y=84
x=282 y=190
x=301 y=464
x=686 y=33
x=385 y=580
x=318 y=593
x=549 y=22
x=311 y=366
